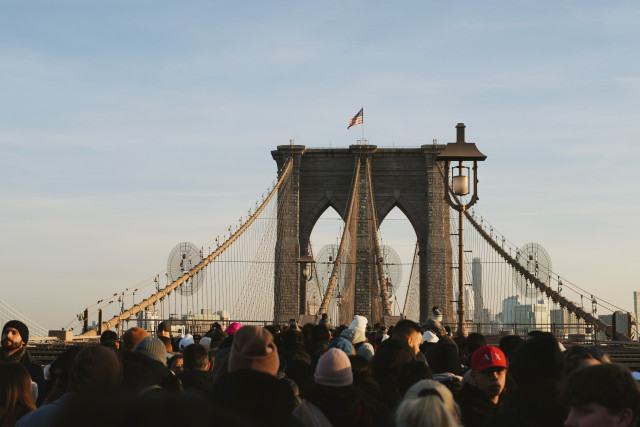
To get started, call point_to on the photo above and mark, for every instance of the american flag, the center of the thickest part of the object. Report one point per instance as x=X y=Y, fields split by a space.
x=357 y=119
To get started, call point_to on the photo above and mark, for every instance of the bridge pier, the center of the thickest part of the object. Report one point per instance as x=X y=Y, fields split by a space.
x=407 y=178
x=290 y=291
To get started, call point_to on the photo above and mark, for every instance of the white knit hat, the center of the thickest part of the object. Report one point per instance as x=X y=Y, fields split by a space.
x=186 y=341
x=205 y=342
x=429 y=336
x=359 y=322
x=334 y=369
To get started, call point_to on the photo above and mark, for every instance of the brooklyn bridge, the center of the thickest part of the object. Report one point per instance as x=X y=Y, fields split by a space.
x=265 y=268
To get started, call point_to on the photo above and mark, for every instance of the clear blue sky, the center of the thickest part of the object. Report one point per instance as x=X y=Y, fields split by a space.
x=129 y=126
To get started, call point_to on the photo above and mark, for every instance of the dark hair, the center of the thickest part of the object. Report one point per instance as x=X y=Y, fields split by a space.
x=217 y=337
x=108 y=335
x=15 y=392
x=446 y=357
x=509 y=343
x=338 y=330
x=473 y=342
x=274 y=329
x=292 y=340
x=537 y=358
x=306 y=331
x=360 y=367
x=196 y=357
x=320 y=333
x=609 y=384
x=176 y=356
x=59 y=371
x=94 y=368
x=404 y=329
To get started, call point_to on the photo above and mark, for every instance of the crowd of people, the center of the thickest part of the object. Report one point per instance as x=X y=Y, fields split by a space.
x=315 y=375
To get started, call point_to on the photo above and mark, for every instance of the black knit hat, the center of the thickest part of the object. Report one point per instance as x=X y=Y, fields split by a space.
x=20 y=327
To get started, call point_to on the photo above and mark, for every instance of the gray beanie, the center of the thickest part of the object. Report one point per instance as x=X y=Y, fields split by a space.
x=153 y=348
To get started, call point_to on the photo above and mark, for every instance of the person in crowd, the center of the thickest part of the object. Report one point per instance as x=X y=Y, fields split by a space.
x=176 y=364
x=335 y=332
x=295 y=363
x=509 y=345
x=164 y=329
x=380 y=335
x=95 y=373
x=16 y=398
x=217 y=337
x=324 y=321
x=145 y=369
x=110 y=339
x=356 y=334
x=445 y=364
x=427 y=403
x=233 y=328
x=132 y=337
x=58 y=381
x=215 y=327
x=249 y=386
x=318 y=343
x=603 y=395
x=205 y=342
x=537 y=370
x=581 y=357
x=196 y=376
x=485 y=395
x=186 y=341
x=332 y=400
x=343 y=344
x=472 y=342
x=434 y=323
x=15 y=336
x=306 y=331
x=167 y=345
x=429 y=339
x=403 y=347
x=363 y=381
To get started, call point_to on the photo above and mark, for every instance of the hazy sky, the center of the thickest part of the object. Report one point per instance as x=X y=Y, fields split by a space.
x=129 y=126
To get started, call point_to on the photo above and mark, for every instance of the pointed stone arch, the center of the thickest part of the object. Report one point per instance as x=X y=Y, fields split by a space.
x=404 y=177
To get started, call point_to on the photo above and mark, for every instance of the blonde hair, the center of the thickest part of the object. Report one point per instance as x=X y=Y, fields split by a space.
x=427 y=404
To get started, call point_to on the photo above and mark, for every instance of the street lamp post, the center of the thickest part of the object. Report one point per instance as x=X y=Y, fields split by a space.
x=306 y=261
x=460 y=151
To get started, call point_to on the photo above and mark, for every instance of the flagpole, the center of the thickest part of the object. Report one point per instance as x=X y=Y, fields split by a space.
x=363 y=126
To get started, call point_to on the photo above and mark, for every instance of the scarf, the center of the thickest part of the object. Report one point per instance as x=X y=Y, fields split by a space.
x=15 y=357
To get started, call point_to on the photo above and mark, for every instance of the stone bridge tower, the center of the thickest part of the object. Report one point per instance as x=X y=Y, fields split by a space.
x=408 y=178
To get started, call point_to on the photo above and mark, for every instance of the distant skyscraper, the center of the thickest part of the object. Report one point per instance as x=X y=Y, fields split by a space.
x=622 y=323
x=566 y=323
x=476 y=280
x=532 y=317
x=509 y=310
x=469 y=303
x=636 y=307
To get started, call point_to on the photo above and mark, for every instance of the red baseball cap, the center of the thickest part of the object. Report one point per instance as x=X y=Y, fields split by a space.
x=488 y=357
